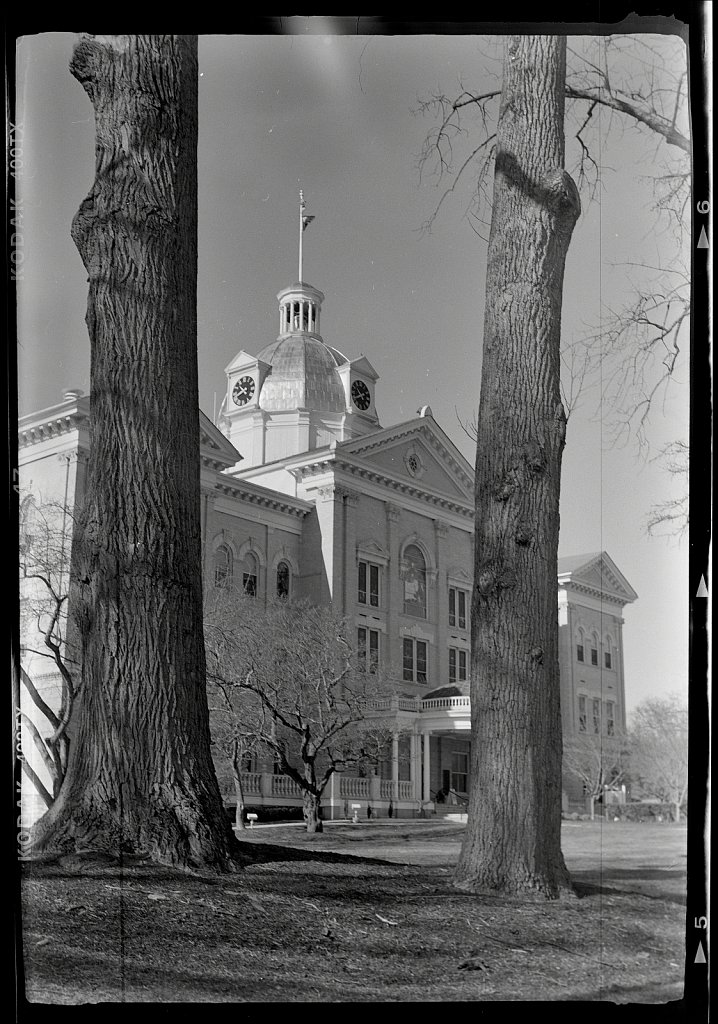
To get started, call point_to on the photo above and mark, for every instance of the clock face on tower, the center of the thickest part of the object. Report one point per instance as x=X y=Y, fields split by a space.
x=243 y=390
x=360 y=395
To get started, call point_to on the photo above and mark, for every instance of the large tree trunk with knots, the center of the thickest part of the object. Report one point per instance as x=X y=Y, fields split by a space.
x=140 y=779
x=512 y=842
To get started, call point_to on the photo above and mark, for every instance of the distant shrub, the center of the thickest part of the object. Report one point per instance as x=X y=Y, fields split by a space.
x=642 y=812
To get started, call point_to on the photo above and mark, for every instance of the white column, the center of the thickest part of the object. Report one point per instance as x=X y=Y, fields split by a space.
x=427 y=766
x=395 y=765
x=414 y=755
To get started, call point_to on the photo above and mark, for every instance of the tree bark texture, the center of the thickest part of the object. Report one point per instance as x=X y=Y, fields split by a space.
x=512 y=842
x=310 y=811
x=141 y=778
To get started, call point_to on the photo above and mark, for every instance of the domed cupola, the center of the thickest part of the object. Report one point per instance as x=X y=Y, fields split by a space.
x=303 y=372
x=297 y=394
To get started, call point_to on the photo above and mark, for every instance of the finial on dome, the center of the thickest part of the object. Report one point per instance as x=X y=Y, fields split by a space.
x=304 y=221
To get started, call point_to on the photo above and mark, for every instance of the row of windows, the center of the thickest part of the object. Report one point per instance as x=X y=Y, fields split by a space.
x=593 y=724
x=226 y=572
x=593 y=654
x=413 y=575
x=415 y=656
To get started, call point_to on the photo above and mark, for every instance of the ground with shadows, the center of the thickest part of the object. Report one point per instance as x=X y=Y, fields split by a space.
x=362 y=912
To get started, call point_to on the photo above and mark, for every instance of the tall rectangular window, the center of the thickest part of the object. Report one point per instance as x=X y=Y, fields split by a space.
x=594 y=656
x=459 y=771
x=610 y=718
x=582 y=725
x=579 y=652
x=368 y=648
x=596 y=706
x=368 y=587
x=457 y=607
x=414 y=660
x=607 y=659
x=457 y=664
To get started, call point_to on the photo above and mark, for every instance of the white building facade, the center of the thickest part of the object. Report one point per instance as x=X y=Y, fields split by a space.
x=306 y=495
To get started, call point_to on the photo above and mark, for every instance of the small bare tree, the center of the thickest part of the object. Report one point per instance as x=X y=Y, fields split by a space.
x=234 y=730
x=291 y=680
x=45 y=543
x=659 y=738
x=597 y=761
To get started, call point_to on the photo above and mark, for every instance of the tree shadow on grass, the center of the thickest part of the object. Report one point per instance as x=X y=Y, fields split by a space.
x=251 y=854
x=591 y=883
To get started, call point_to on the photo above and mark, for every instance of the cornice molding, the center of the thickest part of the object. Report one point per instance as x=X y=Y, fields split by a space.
x=332 y=461
x=52 y=427
x=262 y=498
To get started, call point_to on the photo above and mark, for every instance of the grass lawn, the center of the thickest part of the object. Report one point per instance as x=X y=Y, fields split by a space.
x=362 y=913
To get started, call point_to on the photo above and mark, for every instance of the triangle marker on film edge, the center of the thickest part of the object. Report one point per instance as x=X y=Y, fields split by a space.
x=702 y=588
x=703 y=240
x=700 y=955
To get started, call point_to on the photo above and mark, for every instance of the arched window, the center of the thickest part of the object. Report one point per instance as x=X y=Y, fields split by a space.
x=608 y=652
x=414 y=577
x=580 y=647
x=223 y=566
x=250 y=574
x=283 y=580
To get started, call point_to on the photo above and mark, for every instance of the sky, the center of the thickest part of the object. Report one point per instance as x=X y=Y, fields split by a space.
x=337 y=116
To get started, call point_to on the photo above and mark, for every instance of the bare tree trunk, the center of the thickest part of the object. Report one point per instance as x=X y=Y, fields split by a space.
x=512 y=841
x=238 y=788
x=140 y=778
x=310 y=811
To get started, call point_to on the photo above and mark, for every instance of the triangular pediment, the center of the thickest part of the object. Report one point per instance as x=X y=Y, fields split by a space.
x=599 y=573
x=460 y=576
x=418 y=452
x=363 y=366
x=214 y=446
x=371 y=551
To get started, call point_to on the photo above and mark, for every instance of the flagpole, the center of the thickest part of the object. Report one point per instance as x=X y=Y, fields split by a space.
x=301 y=230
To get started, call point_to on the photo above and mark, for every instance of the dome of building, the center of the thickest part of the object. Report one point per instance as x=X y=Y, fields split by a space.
x=303 y=375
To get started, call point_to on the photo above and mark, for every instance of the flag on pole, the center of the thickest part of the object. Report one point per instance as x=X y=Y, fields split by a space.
x=306 y=221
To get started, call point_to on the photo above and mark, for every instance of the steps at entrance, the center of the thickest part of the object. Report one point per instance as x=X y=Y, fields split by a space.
x=450 y=812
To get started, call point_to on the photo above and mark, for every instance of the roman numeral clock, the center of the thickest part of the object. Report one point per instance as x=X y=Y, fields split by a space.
x=361 y=395
x=243 y=390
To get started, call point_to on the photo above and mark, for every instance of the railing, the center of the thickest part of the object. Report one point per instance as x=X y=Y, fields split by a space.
x=433 y=703
x=386 y=789
x=406 y=790
x=394 y=704
x=282 y=785
x=252 y=783
x=354 y=788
